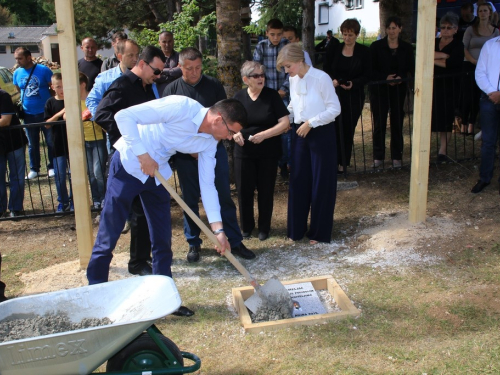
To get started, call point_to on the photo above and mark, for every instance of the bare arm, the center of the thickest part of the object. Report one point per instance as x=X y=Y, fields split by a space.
x=282 y=126
x=5 y=120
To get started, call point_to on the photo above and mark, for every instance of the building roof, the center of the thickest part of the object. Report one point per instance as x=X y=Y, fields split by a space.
x=25 y=34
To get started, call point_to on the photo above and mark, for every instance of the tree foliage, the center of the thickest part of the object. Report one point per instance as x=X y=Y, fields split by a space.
x=287 y=11
x=28 y=12
x=5 y=17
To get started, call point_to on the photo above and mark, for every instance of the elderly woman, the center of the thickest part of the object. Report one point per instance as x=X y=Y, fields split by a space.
x=448 y=58
x=474 y=38
x=258 y=149
x=314 y=106
x=392 y=61
x=350 y=70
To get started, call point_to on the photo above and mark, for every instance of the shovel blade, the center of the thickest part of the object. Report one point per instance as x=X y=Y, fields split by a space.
x=272 y=292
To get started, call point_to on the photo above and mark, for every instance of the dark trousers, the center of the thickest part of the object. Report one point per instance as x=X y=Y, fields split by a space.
x=384 y=97
x=490 y=126
x=351 y=102
x=187 y=170
x=122 y=188
x=251 y=174
x=470 y=94
x=313 y=184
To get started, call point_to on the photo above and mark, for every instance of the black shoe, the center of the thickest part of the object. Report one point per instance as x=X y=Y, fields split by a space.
x=441 y=159
x=284 y=172
x=183 y=311
x=2 y=292
x=141 y=270
x=263 y=236
x=193 y=254
x=242 y=252
x=479 y=186
x=246 y=235
x=15 y=213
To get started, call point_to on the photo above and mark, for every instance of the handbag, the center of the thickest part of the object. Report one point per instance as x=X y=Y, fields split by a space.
x=19 y=104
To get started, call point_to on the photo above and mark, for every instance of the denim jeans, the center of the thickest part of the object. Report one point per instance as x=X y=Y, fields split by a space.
x=286 y=146
x=17 y=164
x=490 y=122
x=33 y=135
x=60 y=168
x=96 y=164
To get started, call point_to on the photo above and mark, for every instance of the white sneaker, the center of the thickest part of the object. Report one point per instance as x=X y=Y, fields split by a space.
x=31 y=175
x=477 y=137
x=51 y=173
x=97 y=205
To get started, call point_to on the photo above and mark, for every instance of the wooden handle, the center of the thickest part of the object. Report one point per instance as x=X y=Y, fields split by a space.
x=207 y=231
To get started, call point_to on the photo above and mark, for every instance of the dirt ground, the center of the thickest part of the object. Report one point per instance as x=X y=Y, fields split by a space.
x=371 y=227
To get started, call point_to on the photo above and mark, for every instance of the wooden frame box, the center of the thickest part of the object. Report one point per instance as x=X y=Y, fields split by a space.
x=240 y=295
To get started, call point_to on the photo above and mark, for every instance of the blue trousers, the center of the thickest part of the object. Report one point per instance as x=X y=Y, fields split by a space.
x=122 y=188
x=313 y=184
x=60 y=173
x=96 y=163
x=490 y=123
x=33 y=135
x=187 y=170
x=17 y=164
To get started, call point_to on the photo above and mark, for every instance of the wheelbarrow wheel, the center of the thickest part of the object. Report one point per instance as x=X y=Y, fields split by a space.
x=144 y=354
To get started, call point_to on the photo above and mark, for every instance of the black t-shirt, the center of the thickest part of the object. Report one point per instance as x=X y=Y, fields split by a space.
x=59 y=134
x=13 y=139
x=263 y=114
x=91 y=69
x=207 y=92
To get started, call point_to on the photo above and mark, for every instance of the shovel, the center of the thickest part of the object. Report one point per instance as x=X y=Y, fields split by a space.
x=272 y=300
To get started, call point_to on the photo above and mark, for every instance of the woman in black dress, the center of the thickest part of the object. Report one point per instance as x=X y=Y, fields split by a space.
x=392 y=61
x=350 y=70
x=448 y=58
x=258 y=149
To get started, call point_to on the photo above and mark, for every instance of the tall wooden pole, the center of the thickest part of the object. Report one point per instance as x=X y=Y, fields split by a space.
x=422 y=110
x=78 y=162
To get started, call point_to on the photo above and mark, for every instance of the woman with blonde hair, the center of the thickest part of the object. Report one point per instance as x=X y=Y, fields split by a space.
x=314 y=105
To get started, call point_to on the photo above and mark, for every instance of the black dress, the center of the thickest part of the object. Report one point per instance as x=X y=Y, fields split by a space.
x=447 y=86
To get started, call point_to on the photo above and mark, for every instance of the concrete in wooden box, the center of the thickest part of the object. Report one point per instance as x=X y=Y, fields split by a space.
x=240 y=295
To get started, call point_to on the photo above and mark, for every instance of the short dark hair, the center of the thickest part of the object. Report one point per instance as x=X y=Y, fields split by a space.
x=149 y=53
x=291 y=28
x=232 y=111
x=122 y=44
x=189 y=53
x=274 y=24
x=391 y=19
x=56 y=76
x=469 y=6
x=329 y=32
x=166 y=33
x=119 y=35
x=26 y=52
x=351 y=24
x=82 y=78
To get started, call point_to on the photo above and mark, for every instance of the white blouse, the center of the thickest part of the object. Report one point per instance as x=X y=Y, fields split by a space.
x=313 y=98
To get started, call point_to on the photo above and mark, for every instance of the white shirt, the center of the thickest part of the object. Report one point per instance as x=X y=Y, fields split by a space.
x=313 y=98
x=488 y=66
x=162 y=127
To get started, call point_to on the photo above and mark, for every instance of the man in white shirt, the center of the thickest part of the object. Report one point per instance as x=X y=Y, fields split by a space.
x=151 y=133
x=488 y=80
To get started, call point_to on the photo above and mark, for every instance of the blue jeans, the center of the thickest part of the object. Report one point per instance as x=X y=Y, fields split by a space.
x=96 y=165
x=490 y=122
x=33 y=135
x=286 y=146
x=60 y=168
x=187 y=170
x=17 y=165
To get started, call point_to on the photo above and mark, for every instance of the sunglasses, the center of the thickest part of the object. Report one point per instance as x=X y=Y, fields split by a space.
x=257 y=76
x=229 y=131
x=156 y=71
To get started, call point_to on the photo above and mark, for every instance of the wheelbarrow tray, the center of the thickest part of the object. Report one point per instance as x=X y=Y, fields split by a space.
x=132 y=305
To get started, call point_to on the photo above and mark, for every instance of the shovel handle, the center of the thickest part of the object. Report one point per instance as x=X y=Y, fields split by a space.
x=207 y=231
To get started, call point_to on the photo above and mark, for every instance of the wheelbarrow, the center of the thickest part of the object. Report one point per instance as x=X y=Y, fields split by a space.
x=131 y=345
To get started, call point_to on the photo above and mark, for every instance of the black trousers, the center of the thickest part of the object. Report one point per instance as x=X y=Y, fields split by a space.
x=252 y=174
x=384 y=98
x=351 y=102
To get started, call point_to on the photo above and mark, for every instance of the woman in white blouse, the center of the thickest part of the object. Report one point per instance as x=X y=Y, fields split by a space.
x=314 y=105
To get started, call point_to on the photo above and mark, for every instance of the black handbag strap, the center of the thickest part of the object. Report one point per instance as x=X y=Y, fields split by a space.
x=27 y=82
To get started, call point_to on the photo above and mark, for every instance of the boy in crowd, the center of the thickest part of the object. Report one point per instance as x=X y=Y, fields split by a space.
x=290 y=33
x=55 y=111
x=266 y=53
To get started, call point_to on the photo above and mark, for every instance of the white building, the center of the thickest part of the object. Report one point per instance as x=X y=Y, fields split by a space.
x=331 y=13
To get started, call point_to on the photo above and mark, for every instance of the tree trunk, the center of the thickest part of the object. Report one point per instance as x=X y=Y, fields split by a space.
x=229 y=55
x=308 y=26
x=402 y=9
x=246 y=18
x=170 y=10
x=158 y=17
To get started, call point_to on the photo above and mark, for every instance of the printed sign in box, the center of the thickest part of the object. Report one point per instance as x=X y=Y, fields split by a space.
x=306 y=300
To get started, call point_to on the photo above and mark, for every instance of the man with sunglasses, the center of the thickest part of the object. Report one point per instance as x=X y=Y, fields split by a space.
x=207 y=91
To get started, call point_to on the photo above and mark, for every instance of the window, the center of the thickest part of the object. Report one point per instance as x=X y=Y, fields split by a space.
x=33 y=48
x=323 y=14
x=354 y=4
x=3 y=49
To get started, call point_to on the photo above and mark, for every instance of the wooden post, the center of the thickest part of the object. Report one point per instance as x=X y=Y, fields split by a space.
x=79 y=179
x=419 y=180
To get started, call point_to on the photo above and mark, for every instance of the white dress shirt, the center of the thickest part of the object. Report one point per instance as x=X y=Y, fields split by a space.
x=488 y=66
x=313 y=98
x=162 y=127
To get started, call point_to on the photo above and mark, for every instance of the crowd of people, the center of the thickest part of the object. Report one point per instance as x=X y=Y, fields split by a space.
x=150 y=110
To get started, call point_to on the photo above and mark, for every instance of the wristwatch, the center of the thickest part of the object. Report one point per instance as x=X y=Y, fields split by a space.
x=218 y=231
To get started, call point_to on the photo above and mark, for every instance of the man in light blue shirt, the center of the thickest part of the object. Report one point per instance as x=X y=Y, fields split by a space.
x=151 y=133
x=128 y=54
